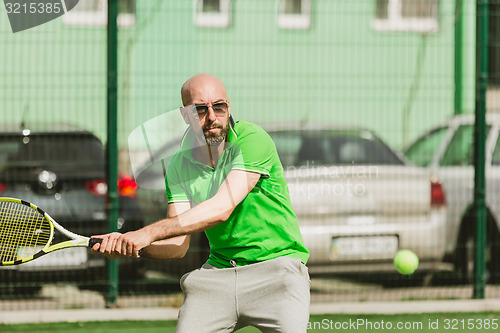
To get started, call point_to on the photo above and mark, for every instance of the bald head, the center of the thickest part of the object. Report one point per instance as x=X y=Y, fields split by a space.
x=207 y=91
x=202 y=88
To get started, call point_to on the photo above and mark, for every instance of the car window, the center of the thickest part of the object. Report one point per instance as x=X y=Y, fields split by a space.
x=495 y=160
x=460 y=150
x=7 y=148
x=332 y=148
x=51 y=149
x=423 y=149
x=287 y=145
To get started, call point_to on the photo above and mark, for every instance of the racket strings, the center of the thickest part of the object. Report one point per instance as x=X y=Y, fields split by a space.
x=23 y=231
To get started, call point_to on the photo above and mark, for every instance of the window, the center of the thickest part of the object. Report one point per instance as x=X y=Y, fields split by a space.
x=294 y=14
x=494 y=43
x=495 y=159
x=53 y=151
x=299 y=148
x=212 y=13
x=93 y=13
x=407 y=15
x=460 y=150
x=422 y=151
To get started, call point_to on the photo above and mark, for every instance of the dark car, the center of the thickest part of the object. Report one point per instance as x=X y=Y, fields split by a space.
x=62 y=170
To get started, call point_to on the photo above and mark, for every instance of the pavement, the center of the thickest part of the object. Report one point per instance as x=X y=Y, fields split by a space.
x=170 y=313
x=62 y=302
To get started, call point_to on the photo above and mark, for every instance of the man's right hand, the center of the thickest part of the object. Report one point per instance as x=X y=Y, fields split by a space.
x=107 y=246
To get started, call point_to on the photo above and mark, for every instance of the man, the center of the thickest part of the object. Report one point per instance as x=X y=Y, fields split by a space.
x=227 y=181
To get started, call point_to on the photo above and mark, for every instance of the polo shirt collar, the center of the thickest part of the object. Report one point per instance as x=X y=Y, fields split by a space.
x=231 y=133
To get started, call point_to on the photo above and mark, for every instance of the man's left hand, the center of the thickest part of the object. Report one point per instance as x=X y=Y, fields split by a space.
x=130 y=243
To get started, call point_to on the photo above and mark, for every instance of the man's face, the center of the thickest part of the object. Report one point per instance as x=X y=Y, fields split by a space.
x=214 y=120
x=212 y=107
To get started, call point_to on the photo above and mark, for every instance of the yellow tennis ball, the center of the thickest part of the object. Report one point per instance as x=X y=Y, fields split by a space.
x=406 y=262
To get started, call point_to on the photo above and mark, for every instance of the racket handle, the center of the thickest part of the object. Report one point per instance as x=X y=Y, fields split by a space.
x=94 y=241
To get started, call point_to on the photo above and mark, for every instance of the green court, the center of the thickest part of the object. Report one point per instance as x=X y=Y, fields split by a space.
x=432 y=323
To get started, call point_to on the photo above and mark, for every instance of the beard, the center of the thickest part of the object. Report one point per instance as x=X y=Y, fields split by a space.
x=215 y=137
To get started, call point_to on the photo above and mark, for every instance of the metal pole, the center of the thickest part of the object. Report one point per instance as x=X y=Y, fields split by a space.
x=459 y=35
x=480 y=139
x=112 y=142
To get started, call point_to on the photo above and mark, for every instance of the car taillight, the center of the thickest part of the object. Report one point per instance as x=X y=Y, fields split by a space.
x=2 y=187
x=97 y=187
x=438 y=198
x=127 y=186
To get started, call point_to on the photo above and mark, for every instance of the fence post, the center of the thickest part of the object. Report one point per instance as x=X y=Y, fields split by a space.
x=112 y=140
x=479 y=141
x=459 y=33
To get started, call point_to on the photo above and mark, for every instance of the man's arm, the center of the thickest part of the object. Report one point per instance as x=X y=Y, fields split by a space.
x=207 y=214
x=171 y=248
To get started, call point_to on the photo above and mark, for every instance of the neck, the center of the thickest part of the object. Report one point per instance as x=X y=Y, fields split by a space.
x=209 y=153
x=214 y=152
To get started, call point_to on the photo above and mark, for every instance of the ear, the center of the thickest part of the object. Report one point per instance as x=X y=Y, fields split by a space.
x=184 y=111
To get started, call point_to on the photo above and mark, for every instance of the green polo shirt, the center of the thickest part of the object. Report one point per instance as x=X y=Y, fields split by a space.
x=263 y=226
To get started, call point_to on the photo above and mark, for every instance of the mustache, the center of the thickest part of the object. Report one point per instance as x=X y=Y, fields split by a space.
x=212 y=126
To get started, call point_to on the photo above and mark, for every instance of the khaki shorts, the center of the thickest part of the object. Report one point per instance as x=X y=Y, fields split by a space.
x=272 y=296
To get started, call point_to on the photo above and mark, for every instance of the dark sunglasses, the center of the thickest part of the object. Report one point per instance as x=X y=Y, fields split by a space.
x=219 y=108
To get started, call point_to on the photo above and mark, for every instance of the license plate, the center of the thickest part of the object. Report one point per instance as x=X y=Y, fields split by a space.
x=74 y=256
x=364 y=247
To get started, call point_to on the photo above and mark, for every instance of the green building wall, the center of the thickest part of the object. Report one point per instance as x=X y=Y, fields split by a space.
x=340 y=71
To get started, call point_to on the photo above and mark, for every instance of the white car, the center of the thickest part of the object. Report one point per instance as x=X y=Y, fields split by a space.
x=358 y=201
x=448 y=151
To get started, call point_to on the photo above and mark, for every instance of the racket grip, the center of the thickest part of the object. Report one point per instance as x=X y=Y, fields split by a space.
x=94 y=241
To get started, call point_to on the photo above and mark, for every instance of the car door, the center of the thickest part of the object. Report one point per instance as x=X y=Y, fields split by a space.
x=493 y=173
x=455 y=168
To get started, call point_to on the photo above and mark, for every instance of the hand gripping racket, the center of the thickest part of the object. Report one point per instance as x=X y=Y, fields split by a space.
x=27 y=233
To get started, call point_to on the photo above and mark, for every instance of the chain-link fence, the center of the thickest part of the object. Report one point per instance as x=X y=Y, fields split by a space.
x=370 y=103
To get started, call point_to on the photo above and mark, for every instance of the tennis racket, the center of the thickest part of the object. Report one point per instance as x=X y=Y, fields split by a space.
x=27 y=233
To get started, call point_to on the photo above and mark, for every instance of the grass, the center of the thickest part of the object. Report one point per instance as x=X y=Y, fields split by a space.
x=433 y=323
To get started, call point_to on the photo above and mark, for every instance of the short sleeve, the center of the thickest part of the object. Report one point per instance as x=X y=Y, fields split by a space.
x=173 y=181
x=256 y=150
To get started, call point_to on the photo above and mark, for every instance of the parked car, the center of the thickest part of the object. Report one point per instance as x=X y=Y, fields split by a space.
x=61 y=169
x=448 y=151
x=358 y=201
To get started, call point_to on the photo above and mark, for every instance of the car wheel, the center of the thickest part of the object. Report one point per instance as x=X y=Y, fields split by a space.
x=13 y=285
x=493 y=254
x=465 y=255
x=464 y=265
